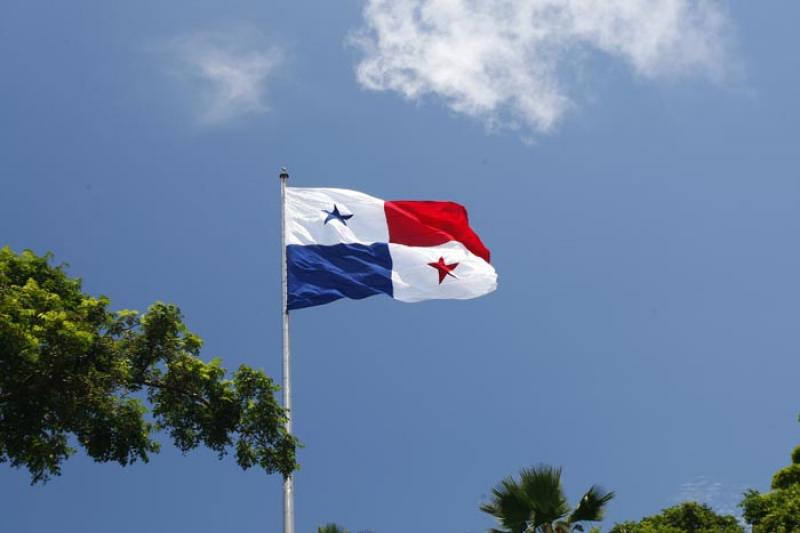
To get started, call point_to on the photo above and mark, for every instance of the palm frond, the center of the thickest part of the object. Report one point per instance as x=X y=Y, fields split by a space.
x=542 y=488
x=509 y=506
x=592 y=506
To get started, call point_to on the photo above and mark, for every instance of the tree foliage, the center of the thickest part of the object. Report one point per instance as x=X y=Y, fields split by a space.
x=536 y=503
x=776 y=511
x=687 y=517
x=74 y=372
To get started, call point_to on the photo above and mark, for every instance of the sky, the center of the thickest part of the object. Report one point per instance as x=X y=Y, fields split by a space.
x=632 y=165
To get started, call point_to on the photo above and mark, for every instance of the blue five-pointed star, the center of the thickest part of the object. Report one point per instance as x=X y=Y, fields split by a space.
x=336 y=215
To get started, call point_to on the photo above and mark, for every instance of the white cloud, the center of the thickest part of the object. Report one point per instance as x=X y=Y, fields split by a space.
x=227 y=73
x=505 y=61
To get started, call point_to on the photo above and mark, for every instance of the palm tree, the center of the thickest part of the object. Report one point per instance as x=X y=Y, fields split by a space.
x=331 y=528
x=536 y=504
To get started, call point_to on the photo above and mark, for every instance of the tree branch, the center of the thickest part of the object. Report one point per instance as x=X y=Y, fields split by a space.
x=164 y=386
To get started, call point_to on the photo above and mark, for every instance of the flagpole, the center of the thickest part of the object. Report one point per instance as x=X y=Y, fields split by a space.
x=288 y=481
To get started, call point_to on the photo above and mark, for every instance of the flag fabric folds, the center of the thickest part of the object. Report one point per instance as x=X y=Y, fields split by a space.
x=346 y=244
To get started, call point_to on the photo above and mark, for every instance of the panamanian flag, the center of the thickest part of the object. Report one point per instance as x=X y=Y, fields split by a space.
x=346 y=244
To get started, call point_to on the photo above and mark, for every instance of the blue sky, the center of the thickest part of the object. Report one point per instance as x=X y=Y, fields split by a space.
x=634 y=171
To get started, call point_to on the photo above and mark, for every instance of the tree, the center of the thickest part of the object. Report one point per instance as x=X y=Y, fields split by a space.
x=776 y=511
x=331 y=528
x=687 y=517
x=71 y=370
x=537 y=504
x=334 y=528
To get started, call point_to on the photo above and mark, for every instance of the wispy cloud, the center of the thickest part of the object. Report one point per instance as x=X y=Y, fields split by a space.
x=505 y=62
x=226 y=72
x=721 y=497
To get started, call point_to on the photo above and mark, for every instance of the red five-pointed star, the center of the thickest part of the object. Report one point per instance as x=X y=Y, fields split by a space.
x=444 y=269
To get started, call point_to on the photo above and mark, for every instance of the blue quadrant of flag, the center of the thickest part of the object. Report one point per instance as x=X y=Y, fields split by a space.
x=318 y=274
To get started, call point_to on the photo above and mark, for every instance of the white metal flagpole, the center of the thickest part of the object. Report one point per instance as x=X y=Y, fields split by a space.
x=288 y=481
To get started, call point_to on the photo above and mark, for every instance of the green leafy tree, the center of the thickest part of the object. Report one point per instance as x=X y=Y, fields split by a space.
x=536 y=504
x=74 y=372
x=776 y=511
x=687 y=517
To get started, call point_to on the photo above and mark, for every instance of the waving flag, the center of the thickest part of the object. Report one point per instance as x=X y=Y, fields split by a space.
x=346 y=244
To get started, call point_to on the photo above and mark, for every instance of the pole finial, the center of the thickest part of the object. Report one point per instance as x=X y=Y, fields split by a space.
x=284 y=174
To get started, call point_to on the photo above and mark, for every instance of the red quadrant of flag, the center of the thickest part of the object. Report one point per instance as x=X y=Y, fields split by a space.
x=420 y=223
